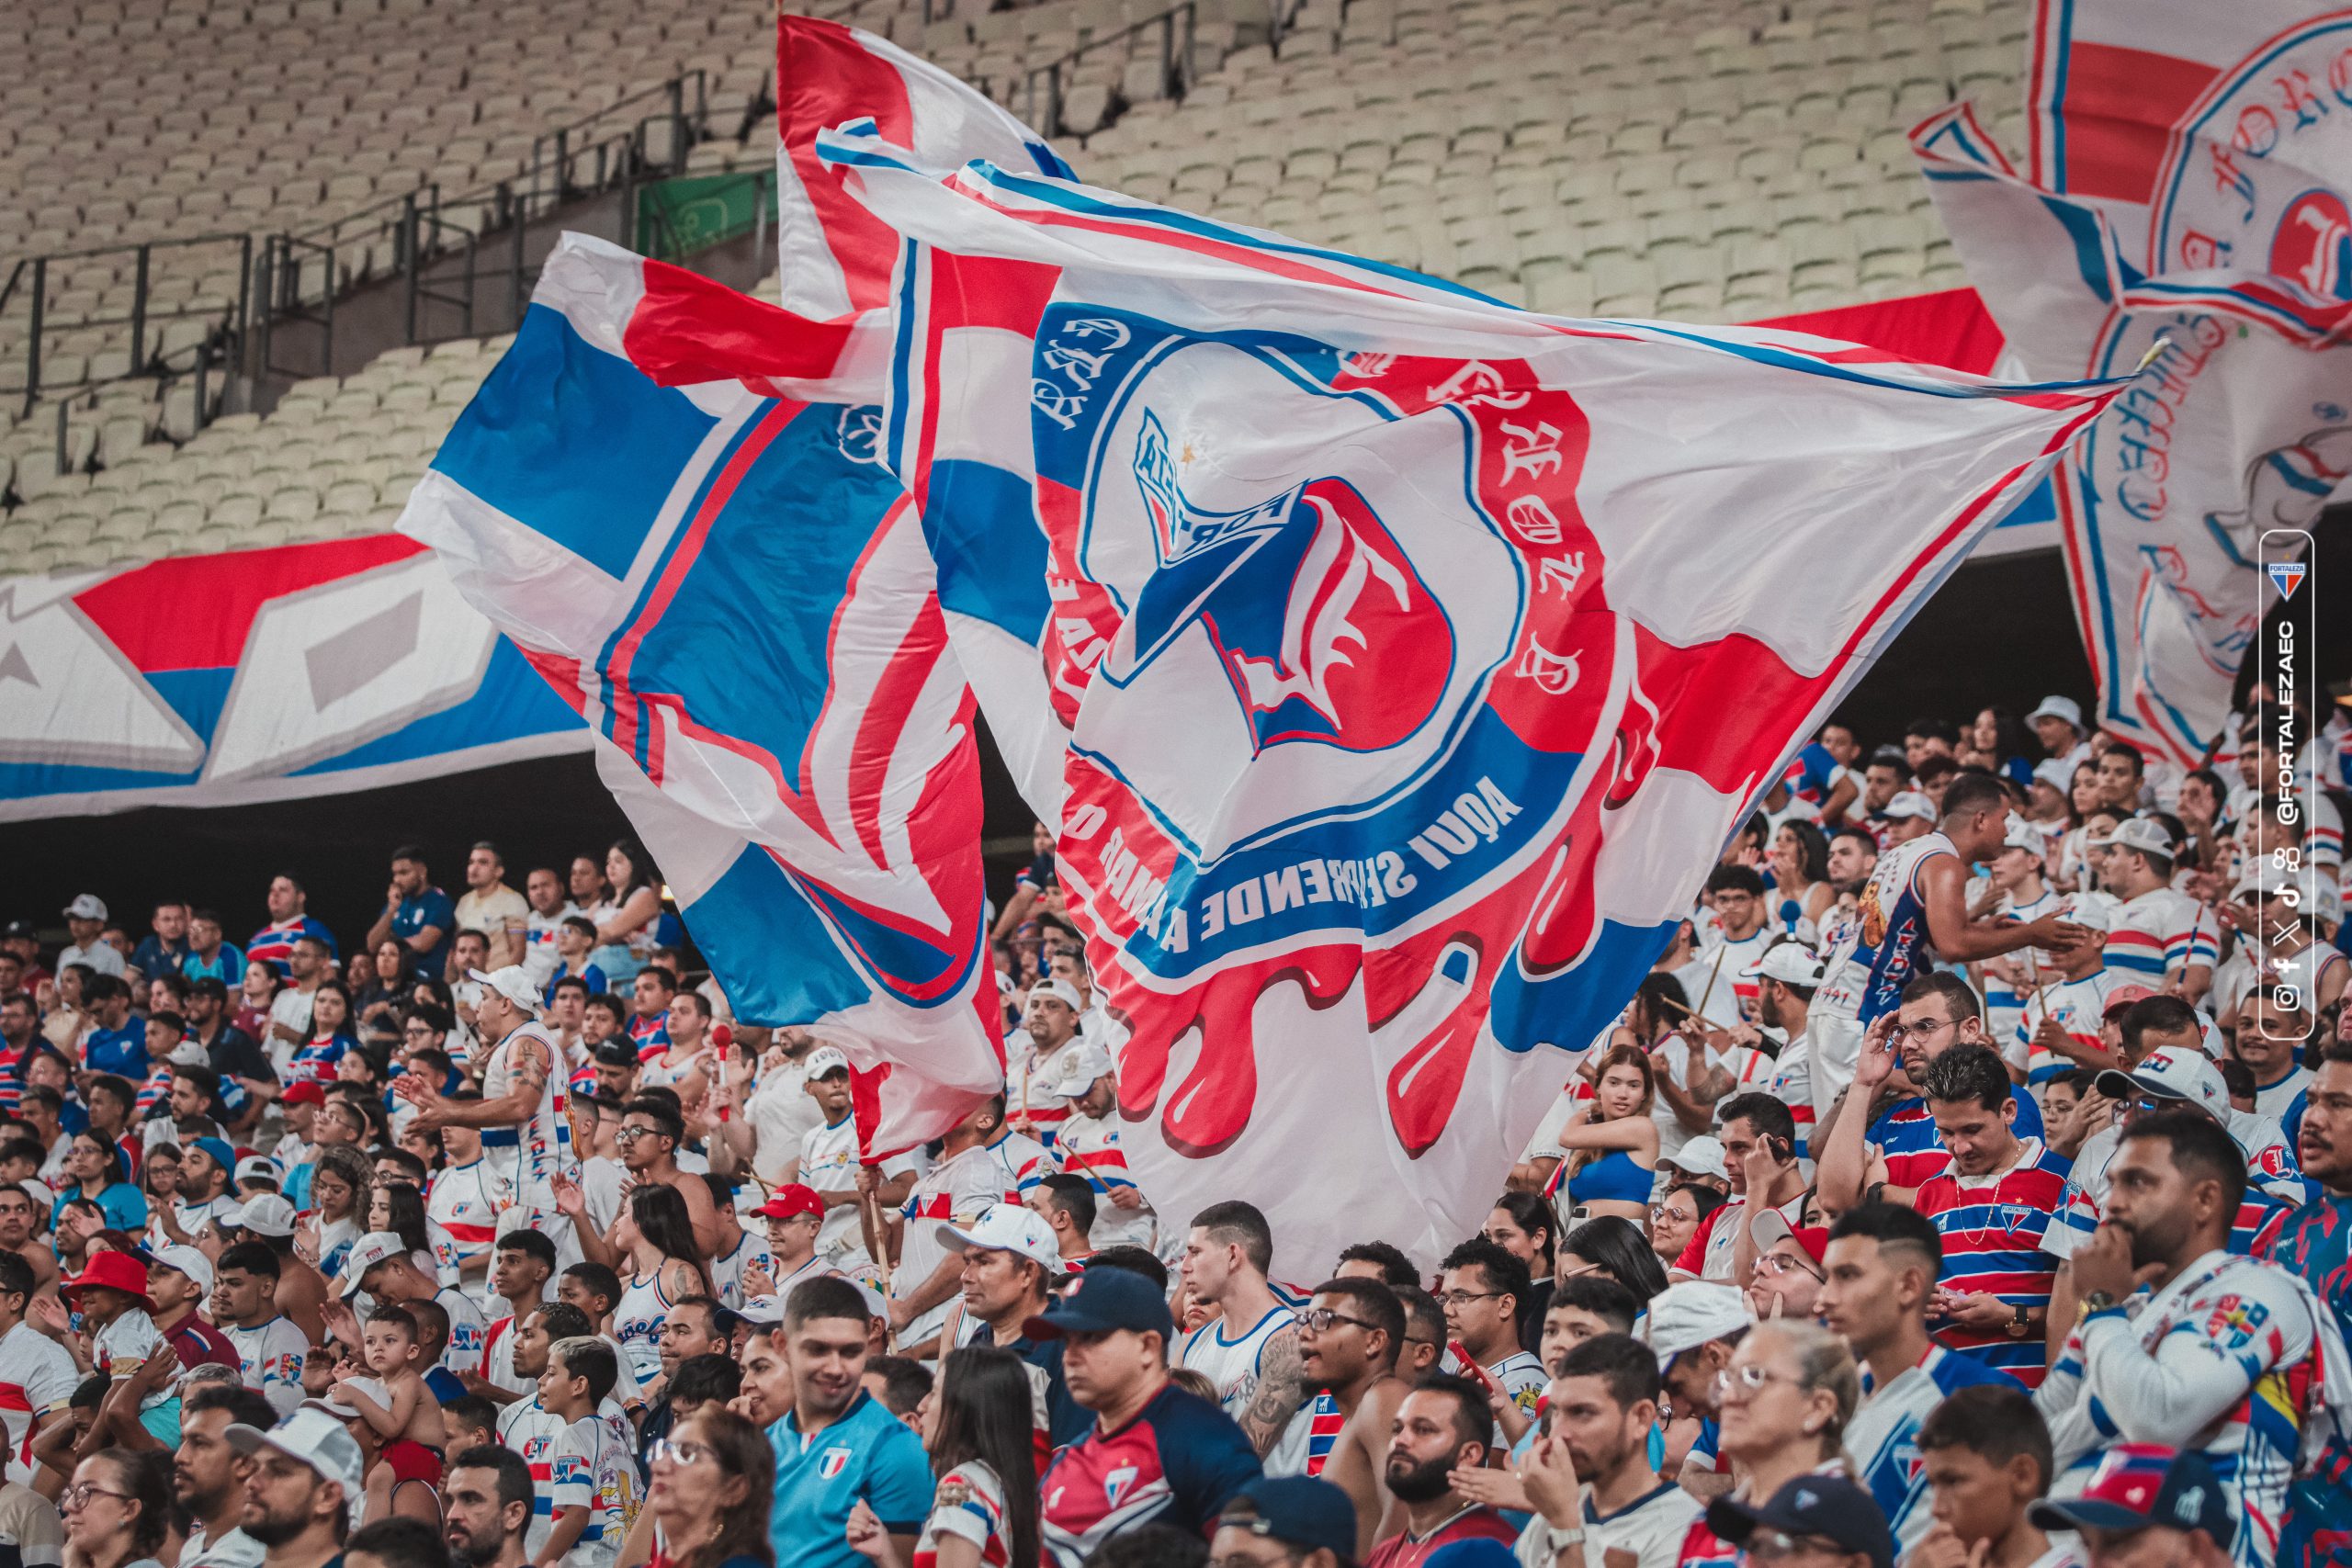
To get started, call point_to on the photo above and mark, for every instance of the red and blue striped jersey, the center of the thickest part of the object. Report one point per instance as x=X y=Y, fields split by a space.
x=649 y=1036
x=274 y=943
x=1905 y=1134
x=153 y=1092
x=1992 y=1228
x=969 y=1505
x=1324 y=1420
x=2159 y=933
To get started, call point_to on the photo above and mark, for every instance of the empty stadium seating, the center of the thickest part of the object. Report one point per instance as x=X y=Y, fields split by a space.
x=1676 y=158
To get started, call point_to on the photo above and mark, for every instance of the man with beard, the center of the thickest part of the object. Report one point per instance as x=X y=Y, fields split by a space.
x=1590 y=1477
x=1051 y=1023
x=1440 y=1426
x=1350 y=1334
x=208 y=1475
x=305 y=1474
x=839 y=1446
x=2183 y=1368
x=486 y=1505
x=2316 y=1244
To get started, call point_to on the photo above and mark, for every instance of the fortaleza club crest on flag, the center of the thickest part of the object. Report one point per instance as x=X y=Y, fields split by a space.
x=2286 y=577
x=1390 y=663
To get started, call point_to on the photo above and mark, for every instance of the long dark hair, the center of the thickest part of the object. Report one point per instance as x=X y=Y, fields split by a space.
x=741 y=1449
x=1531 y=1214
x=1620 y=1250
x=405 y=1207
x=661 y=1217
x=641 y=871
x=1812 y=850
x=114 y=1172
x=146 y=1479
x=984 y=1414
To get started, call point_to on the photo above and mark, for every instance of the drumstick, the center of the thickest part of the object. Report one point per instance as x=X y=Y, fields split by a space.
x=1721 y=952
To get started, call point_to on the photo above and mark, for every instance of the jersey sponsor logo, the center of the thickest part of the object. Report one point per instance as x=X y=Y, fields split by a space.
x=831 y=1462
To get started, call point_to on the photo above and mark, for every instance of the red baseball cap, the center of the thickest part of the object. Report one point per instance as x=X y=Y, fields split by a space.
x=2123 y=997
x=790 y=1200
x=304 y=1093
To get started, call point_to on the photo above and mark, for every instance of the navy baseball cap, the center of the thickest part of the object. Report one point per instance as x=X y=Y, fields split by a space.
x=1101 y=1301
x=1299 y=1511
x=2140 y=1484
x=1829 y=1507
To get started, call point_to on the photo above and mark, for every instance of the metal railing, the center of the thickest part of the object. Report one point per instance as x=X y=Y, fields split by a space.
x=225 y=318
x=291 y=278
x=437 y=240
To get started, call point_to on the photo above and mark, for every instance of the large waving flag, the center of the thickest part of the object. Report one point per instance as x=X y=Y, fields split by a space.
x=2232 y=280
x=1417 y=654
x=735 y=597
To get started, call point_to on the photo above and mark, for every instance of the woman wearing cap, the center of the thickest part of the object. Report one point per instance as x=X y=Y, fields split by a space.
x=117 y=1510
x=978 y=1428
x=1611 y=1141
x=95 y=1165
x=1783 y=1404
x=711 y=1486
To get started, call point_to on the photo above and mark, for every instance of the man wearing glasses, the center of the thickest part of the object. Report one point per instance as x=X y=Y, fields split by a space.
x=1350 y=1334
x=1901 y=1152
x=1483 y=1287
x=2169 y=1079
x=1788 y=1266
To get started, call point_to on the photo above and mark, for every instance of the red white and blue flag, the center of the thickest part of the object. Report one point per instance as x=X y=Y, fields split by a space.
x=1417 y=654
x=1391 y=663
x=2187 y=200
x=737 y=600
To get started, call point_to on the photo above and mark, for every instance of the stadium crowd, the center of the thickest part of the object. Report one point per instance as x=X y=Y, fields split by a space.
x=1969 y=1186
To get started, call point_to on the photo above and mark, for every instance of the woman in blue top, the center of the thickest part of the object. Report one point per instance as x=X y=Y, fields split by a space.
x=1611 y=1141
x=96 y=1166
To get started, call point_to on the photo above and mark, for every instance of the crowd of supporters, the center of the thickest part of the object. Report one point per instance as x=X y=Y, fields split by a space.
x=1968 y=1186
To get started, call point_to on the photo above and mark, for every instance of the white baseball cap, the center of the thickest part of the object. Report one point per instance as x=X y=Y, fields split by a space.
x=1791 y=963
x=266 y=1214
x=513 y=982
x=2017 y=833
x=259 y=1167
x=41 y=1192
x=2171 y=1075
x=1701 y=1155
x=188 y=1053
x=766 y=1312
x=1911 y=803
x=1685 y=1316
x=376 y=1246
x=312 y=1437
x=1006 y=1228
x=2142 y=833
x=1061 y=991
x=2056 y=772
x=2066 y=709
x=1081 y=1065
x=86 y=906
x=188 y=1261
x=2090 y=911
x=822 y=1060
x=372 y=1387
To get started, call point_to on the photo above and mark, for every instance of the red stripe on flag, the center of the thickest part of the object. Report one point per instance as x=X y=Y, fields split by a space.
x=2119 y=108
x=824 y=76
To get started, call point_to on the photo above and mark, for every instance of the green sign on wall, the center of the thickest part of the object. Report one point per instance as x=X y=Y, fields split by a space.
x=677 y=218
